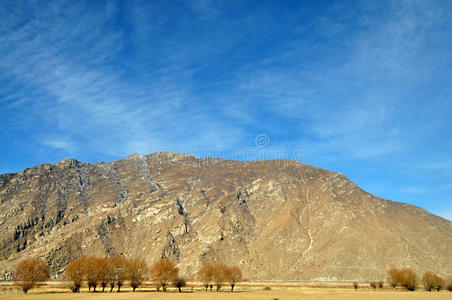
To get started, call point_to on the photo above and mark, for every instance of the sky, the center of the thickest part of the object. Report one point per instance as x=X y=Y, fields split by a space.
x=363 y=88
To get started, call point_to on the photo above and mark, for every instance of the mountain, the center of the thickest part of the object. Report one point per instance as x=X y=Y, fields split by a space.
x=276 y=219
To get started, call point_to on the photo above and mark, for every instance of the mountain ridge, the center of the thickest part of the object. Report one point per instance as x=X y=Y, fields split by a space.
x=277 y=219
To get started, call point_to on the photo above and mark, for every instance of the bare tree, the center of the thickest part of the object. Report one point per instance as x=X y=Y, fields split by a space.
x=30 y=271
x=394 y=278
x=219 y=275
x=232 y=276
x=205 y=275
x=163 y=272
x=103 y=275
x=92 y=269
x=118 y=271
x=409 y=279
x=137 y=271
x=76 y=271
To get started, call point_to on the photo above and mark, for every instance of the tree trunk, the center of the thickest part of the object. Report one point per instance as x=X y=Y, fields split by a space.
x=232 y=287
x=112 y=287
x=119 y=287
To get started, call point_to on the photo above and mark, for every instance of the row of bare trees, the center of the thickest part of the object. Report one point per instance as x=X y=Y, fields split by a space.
x=117 y=270
x=408 y=279
x=110 y=271
x=219 y=274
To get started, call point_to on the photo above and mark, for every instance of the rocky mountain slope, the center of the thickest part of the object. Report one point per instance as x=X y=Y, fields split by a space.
x=276 y=219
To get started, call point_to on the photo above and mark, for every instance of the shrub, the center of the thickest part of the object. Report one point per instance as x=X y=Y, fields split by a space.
x=373 y=285
x=137 y=272
x=267 y=288
x=179 y=282
x=355 y=285
x=219 y=275
x=30 y=271
x=163 y=272
x=380 y=284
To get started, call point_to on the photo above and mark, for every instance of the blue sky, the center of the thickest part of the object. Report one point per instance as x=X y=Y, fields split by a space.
x=359 y=87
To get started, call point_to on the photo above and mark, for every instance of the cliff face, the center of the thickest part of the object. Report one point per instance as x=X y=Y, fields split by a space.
x=276 y=219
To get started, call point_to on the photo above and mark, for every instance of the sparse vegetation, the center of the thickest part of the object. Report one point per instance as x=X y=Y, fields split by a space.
x=163 y=273
x=30 y=271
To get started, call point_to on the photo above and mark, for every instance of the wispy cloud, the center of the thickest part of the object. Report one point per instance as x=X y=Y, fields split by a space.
x=359 y=87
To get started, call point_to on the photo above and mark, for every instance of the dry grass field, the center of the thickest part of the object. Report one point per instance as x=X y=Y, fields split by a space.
x=245 y=294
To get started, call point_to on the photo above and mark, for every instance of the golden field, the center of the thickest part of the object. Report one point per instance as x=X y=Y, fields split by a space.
x=248 y=293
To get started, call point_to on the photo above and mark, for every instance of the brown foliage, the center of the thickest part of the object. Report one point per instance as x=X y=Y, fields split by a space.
x=30 y=271
x=75 y=271
x=137 y=271
x=163 y=272
x=431 y=281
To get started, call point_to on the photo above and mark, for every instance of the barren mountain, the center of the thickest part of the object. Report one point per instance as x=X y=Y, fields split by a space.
x=276 y=219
